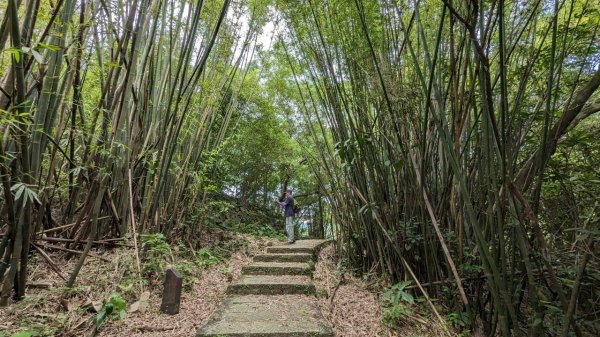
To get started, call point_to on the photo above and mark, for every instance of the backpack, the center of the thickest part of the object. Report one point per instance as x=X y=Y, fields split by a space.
x=296 y=207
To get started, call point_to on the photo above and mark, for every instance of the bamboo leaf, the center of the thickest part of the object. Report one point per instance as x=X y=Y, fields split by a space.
x=50 y=47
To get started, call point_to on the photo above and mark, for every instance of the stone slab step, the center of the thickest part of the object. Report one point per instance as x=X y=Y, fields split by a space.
x=302 y=258
x=300 y=246
x=277 y=268
x=272 y=316
x=272 y=285
x=290 y=250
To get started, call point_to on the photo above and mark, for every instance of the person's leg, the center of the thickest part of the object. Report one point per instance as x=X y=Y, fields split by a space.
x=293 y=226
x=289 y=227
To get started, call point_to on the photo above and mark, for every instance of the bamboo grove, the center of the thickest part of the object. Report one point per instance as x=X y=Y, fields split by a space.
x=430 y=125
x=451 y=143
x=111 y=112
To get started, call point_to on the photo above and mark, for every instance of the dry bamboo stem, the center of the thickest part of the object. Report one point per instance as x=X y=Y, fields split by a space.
x=134 y=234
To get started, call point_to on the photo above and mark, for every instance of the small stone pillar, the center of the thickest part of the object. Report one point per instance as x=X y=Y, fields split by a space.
x=172 y=292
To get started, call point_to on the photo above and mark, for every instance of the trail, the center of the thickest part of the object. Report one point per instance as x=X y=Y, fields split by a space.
x=274 y=297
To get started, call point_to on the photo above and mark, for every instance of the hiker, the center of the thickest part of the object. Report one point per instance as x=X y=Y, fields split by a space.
x=288 y=207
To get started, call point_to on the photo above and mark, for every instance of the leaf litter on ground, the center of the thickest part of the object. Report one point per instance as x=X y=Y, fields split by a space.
x=352 y=305
x=50 y=309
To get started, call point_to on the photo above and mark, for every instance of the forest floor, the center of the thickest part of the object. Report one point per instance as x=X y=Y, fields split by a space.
x=350 y=305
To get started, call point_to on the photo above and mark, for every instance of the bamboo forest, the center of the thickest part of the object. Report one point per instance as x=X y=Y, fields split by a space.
x=442 y=158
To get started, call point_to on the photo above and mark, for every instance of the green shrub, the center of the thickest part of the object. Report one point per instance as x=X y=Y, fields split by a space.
x=259 y=230
x=31 y=332
x=394 y=300
x=207 y=257
x=187 y=270
x=461 y=320
x=115 y=307
x=156 y=253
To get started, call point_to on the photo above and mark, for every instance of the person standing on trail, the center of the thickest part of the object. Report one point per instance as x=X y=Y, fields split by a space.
x=288 y=210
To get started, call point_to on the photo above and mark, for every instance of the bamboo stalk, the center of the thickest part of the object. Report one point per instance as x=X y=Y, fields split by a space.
x=96 y=242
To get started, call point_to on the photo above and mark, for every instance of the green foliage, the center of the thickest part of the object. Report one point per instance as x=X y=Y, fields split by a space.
x=156 y=253
x=261 y=153
x=396 y=293
x=15 y=52
x=23 y=192
x=128 y=285
x=413 y=237
x=393 y=315
x=259 y=230
x=206 y=257
x=376 y=105
x=569 y=194
x=459 y=319
x=32 y=332
x=187 y=269
x=114 y=308
x=23 y=334
x=395 y=301
x=397 y=147
x=216 y=211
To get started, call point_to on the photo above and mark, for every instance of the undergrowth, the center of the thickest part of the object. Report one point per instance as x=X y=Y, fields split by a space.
x=110 y=301
x=397 y=304
x=227 y=215
x=114 y=308
x=158 y=255
x=258 y=230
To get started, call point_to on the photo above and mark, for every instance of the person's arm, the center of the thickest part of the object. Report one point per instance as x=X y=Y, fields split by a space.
x=282 y=203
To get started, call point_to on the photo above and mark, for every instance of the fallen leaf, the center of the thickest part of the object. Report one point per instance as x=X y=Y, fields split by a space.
x=140 y=305
x=94 y=306
x=134 y=307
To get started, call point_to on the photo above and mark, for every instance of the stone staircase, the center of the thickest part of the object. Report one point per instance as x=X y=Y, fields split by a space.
x=270 y=299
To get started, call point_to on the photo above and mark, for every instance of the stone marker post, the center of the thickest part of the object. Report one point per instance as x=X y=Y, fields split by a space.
x=171 y=292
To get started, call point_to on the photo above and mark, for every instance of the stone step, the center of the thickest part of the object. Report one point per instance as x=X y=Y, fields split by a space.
x=273 y=316
x=302 y=258
x=289 y=250
x=300 y=246
x=277 y=268
x=272 y=285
